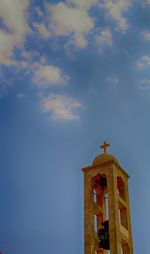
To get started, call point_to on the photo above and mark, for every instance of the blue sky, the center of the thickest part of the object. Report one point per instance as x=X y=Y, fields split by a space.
x=72 y=74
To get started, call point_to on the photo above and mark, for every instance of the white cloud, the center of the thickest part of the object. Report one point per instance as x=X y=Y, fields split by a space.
x=115 y=10
x=146 y=35
x=13 y=15
x=60 y=106
x=28 y=61
x=27 y=55
x=43 y=60
x=75 y=22
x=114 y=80
x=144 y=61
x=6 y=48
x=42 y=29
x=21 y=95
x=68 y=50
x=48 y=75
x=105 y=38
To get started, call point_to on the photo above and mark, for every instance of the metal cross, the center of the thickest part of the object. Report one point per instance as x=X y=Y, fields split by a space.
x=105 y=145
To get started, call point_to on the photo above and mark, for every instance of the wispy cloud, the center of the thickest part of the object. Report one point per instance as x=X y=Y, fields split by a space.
x=60 y=106
x=144 y=84
x=112 y=79
x=105 y=38
x=146 y=35
x=48 y=75
x=39 y=12
x=4 y=84
x=42 y=29
x=115 y=10
x=13 y=15
x=21 y=96
x=143 y=81
x=27 y=55
x=143 y=62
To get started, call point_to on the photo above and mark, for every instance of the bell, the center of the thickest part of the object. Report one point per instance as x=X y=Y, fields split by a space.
x=96 y=183
x=103 y=182
x=104 y=244
x=105 y=224
x=103 y=235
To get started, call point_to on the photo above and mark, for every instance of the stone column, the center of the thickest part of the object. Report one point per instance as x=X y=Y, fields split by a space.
x=114 y=234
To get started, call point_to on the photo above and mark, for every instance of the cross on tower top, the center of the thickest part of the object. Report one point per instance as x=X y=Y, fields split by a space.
x=105 y=145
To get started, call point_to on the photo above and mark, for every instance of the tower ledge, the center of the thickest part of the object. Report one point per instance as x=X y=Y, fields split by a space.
x=110 y=159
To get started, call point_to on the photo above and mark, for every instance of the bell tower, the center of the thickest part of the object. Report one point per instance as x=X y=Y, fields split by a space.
x=107 y=225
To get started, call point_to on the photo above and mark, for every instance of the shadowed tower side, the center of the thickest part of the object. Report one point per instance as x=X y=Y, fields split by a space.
x=107 y=225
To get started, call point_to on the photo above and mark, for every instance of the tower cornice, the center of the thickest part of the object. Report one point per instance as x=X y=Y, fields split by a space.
x=105 y=164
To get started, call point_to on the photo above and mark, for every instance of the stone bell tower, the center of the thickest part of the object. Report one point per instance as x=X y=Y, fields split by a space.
x=107 y=225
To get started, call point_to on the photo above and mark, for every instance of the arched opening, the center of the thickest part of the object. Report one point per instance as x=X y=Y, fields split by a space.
x=95 y=222
x=121 y=188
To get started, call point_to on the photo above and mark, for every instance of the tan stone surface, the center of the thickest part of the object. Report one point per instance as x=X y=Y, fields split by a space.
x=115 y=176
